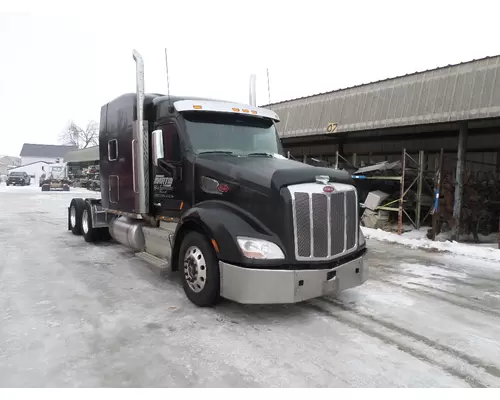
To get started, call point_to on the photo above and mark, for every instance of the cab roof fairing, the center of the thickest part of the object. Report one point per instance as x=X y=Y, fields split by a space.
x=225 y=107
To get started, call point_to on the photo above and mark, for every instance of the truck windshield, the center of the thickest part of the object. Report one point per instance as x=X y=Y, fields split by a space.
x=241 y=135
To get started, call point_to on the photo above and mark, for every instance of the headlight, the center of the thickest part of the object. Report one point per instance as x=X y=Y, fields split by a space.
x=259 y=249
x=361 y=238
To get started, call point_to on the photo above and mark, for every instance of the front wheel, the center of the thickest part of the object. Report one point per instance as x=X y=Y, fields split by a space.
x=200 y=270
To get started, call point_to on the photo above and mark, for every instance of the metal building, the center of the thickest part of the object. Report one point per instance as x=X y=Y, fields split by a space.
x=455 y=109
x=88 y=155
x=467 y=91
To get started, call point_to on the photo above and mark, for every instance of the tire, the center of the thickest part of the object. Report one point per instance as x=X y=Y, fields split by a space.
x=90 y=234
x=45 y=188
x=204 y=267
x=76 y=226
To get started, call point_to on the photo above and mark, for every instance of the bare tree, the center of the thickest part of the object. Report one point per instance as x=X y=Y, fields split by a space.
x=73 y=135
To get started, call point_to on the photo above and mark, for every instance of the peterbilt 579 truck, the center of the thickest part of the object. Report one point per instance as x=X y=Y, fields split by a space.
x=202 y=187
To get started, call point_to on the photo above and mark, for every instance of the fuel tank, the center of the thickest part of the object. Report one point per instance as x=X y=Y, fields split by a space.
x=128 y=232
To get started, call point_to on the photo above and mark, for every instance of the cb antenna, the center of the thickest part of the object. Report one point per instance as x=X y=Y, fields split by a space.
x=268 y=87
x=168 y=80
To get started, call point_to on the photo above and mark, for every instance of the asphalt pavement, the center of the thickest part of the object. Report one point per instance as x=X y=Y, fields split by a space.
x=74 y=314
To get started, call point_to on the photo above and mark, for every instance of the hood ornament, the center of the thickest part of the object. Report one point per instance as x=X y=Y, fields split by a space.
x=322 y=179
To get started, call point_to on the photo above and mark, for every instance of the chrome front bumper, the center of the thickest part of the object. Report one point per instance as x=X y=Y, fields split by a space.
x=266 y=286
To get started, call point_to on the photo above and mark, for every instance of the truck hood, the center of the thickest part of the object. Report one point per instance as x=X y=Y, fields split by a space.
x=260 y=181
x=268 y=173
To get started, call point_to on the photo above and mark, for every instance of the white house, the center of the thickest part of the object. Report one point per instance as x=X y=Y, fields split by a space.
x=34 y=170
x=4 y=168
x=32 y=153
x=7 y=162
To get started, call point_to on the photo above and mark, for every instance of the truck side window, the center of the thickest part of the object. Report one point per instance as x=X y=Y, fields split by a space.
x=113 y=150
x=171 y=143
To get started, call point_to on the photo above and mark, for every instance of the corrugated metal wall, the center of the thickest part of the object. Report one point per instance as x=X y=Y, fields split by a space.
x=460 y=92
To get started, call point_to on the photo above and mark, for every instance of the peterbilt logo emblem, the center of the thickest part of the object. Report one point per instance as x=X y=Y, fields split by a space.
x=328 y=189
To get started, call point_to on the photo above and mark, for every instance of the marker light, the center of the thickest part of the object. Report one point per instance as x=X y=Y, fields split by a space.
x=223 y=187
x=197 y=107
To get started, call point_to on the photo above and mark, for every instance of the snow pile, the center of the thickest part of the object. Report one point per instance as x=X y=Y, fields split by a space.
x=417 y=240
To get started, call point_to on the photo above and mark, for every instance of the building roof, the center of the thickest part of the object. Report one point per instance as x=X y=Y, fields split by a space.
x=31 y=163
x=465 y=91
x=45 y=150
x=83 y=155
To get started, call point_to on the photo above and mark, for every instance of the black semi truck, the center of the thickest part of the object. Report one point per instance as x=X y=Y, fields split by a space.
x=202 y=186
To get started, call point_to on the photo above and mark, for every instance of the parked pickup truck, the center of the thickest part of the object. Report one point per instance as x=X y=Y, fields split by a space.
x=18 y=178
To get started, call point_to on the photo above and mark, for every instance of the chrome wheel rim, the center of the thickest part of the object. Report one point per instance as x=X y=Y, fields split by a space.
x=85 y=221
x=72 y=216
x=195 y=269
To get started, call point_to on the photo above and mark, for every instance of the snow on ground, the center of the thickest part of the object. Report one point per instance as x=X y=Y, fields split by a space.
x=417 y=240
x=76 y=314
x=37 y=189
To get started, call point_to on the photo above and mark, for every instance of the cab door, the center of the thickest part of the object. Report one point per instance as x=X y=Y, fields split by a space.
x=167 y=175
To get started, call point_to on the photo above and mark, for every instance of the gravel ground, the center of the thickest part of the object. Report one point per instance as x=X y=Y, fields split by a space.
x=80 y=315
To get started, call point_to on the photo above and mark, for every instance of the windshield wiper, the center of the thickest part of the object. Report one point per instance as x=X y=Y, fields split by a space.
x=261 y=154
x=216 y=152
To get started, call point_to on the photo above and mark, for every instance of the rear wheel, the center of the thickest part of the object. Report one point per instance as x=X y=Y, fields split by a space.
x=75 y=216
x=200 y=270
x=90 y=234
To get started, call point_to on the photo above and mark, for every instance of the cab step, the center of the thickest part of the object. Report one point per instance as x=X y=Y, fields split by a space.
x=152 y=260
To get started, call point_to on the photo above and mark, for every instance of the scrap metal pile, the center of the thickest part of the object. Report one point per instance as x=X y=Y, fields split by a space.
x=379 y=189
x=88 y=178
x=480 y=204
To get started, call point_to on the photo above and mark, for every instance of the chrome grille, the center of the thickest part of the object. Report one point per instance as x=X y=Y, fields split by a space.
x=325 y=224
x=338 y=222
x=351 y=219
x=302 y=216
x=320 y=225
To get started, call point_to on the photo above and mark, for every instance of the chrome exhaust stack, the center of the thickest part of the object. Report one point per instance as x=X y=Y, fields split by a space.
x=139 y=76
x=140 y=145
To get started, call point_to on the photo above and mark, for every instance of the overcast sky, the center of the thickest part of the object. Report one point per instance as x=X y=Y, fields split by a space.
x=56 y=67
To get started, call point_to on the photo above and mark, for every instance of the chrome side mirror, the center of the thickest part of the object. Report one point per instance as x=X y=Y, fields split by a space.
x=157 y=146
